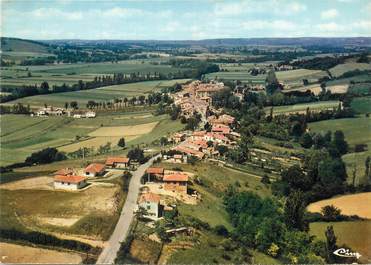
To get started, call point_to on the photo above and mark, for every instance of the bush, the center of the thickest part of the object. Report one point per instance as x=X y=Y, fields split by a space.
x=221 y=230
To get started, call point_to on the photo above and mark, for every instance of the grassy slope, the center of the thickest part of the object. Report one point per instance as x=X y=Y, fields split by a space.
x=342 y=68
x=18 y=45
x=356 y=130
x=361 y=105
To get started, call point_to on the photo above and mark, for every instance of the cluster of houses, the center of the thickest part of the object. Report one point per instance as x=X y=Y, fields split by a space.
x=201 y=144
x=196 y=97
x=72 y=179
x=173 y=182
x=51 y=111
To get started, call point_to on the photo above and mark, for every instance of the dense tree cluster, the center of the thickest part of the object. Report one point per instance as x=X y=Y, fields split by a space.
x=261 y=223
x=45 y=156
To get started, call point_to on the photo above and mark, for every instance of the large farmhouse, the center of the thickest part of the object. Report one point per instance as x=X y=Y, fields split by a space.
x=69 y=182
x=176 y=182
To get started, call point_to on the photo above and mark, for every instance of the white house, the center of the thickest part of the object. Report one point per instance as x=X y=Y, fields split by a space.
x=90 y=114
x=69 y=182
x=150 y=202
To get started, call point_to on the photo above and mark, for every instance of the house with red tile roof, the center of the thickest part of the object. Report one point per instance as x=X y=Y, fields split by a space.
x=118 y=162
x=70 y=182
x=221 y=128
x=150 y=202
x=94 y=170
x=176 y=182
x=155 y=173
x=64 y=171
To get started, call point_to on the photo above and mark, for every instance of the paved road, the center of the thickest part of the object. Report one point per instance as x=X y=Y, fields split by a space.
x=109 y=253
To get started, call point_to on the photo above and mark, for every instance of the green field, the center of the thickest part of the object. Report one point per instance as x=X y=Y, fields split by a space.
x=361 y=105
x=314 y=106
x=242 y=76
x=17 y=50
x=57 y=74
x=23 y=134
x=343 y=68
x=99 y=94
x=355 y=234
x=356 y=130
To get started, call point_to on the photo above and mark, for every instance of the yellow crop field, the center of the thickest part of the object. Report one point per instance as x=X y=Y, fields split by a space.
x=122 y=131
x=355 y=204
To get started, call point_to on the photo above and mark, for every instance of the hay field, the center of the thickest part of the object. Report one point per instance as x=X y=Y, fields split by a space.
x=12 y=253
x=103 y=135
x=354 y=204
x=355 y=234
x=133 y=130
x=356 y=162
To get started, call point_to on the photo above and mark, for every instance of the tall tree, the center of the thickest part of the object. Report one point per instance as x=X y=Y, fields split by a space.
x=294 y=211
x=330 y=243
x=339 y=142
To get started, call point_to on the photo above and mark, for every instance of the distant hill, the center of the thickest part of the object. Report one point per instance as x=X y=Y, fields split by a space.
x=24 y=46
x=309 y=41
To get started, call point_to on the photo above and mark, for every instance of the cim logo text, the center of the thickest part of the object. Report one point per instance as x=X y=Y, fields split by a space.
x=342 y=252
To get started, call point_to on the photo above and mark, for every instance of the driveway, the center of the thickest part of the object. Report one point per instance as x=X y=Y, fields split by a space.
x=109 y=253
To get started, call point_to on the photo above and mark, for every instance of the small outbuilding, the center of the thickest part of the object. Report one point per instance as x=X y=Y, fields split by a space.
x=94 y=170
x=118 y=162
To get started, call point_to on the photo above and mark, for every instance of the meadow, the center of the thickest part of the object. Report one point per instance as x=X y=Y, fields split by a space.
x=99 y=94
x=361 y=105
x=300 y=108
x=356 y=130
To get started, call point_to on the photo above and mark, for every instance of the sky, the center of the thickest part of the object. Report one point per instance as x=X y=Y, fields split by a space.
x=184 y=19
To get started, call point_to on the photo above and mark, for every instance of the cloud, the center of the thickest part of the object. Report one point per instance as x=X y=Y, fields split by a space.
x=330 y=27
x=269 y=25
x=56 y=13
x=329 y=14
x=363 y=24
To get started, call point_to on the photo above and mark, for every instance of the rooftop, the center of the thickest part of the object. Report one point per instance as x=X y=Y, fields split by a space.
x=95 y=168
x=117 y=159
x=69 y=179
x=149 y=197
x=176 y=177
x=155 y=170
